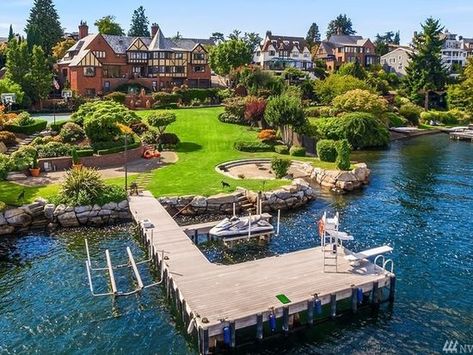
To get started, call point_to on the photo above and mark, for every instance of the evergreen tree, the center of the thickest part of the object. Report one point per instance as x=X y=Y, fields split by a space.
x=18 y=62
x=139 y=24
x=217 y=37
x=313 y=35
x=39 y=78
x=11 y=35
x=43 y=27
x=397 y=38
x=426 y=71
x=108 y=26
x=382 y=42
x=342 y=25
x=252 y=39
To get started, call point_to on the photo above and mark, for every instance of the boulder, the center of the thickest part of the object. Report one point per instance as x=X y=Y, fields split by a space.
x=3 y=221
x=6 y=229
x=105 y=213
x=49 y=211
x=123 y=205
x=68 y=219
x=221 y=199
x=16 y=176
x=17 y=217
x=60 y=209
x=199 y=201
x=82 y=209
x=110 y=206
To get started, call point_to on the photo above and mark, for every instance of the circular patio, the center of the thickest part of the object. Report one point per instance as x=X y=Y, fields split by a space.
x=259 y=169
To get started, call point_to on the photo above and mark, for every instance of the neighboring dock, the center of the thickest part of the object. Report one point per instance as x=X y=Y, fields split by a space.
x=218 y=300
x=466 y=135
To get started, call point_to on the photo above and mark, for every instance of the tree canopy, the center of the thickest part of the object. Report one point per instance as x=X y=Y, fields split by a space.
x=382 y=42
x=229 y=55
x=426 y=71
x=313 y=35
x=11 y=34
x=43 y=27
x=38 y=81
x=60 y=49
x=217 y=37
x=108 y=26
x=460 y=96
x=139 y=24
x=341 y=25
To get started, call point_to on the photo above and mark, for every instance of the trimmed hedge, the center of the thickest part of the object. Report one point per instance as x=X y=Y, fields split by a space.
x=281 y=149
x=85 y=153
x=116 y=96
x=118 y=149
x=188 y=95
x=296 y=151
x=252 y=147
x=58 y=125
x=327 y=150
x=36 y=126
x=343 y=155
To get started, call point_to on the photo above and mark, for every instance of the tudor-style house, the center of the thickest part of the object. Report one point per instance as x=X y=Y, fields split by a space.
x=98 y=64
x=279 y=52
x=341 y=49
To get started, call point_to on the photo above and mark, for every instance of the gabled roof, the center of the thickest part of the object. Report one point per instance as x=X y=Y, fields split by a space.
x=137 y=45
x=286 y=43
x=399 y=49
x=85 y=58
x=190 y=43
x=346 y=40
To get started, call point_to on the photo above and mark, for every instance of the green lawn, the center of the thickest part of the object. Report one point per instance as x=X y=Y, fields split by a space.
x=205 y=143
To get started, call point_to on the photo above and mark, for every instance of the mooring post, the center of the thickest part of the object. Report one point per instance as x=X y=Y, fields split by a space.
x=178 y=301
x=232 y=335
x=259 y=326
x=196 y=237
x=354 y=299
x=333 y=305
x=185 y=316
x=392 y=288
x=375 y=294
x=204 y=341
x=310 y=312
x=285 y=320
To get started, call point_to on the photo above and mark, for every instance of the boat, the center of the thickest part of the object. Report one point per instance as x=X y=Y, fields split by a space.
x=242 y=226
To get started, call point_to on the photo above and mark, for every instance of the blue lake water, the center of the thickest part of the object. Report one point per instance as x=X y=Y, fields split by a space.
x=420 y=201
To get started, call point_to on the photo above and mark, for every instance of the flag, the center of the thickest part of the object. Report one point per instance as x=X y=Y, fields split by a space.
x=56 y=84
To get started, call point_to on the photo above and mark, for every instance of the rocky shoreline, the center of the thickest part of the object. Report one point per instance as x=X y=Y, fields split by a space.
x=41 y=215
x=342 y=181
x=295 y=195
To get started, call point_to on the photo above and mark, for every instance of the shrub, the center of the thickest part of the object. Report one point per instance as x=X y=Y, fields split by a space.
x=395 y=120
x=23 y=158
x=335 y=85
x=101 y=128
x=165 y=98
x=254 y=109
x=72 y=132
x=187 y=95
x=116 y=96
x=297 y=151
x=5 y=166
x=327 y=150
x=285 y=110
x=3 y=206
x=362 y=130
x=139 y=128
x=360 y=101
x=75 y=156
x=24 y=119
x=234 y=110
x=252 y=147
x=445 y=117
x=169 y=140
x=117 y=111
x=56 y=127
x=7 y=138
x=343 y=155
x=36 y=126
x=53 y=149
x=267 y=135
x=160 y=120
x=150 y=137
x=84 y=152
x=280 y=167
x=411 y=112
x=81 y=187
x=281 y=149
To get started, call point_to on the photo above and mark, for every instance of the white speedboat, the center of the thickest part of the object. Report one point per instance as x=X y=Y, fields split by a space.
x=242 y=226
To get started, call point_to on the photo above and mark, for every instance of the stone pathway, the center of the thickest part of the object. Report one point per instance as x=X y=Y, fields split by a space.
x=22 y=142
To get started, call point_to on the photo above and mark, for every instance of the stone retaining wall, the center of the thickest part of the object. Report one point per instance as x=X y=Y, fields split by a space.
x=342 y=181
x=295 y=195
x=40 y=214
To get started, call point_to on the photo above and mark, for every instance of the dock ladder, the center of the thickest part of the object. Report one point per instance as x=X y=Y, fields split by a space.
x=329 y=243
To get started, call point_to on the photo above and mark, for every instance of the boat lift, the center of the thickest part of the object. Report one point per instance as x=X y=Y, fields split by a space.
x=110 y=269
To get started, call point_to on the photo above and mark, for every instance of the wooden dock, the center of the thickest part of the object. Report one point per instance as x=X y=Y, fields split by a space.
x=222 y=299
x=462 y=136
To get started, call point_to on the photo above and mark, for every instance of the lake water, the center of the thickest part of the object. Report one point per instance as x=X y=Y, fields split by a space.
x=420 y=201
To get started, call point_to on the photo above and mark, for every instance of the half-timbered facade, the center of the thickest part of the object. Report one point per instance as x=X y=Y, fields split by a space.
x=98 y=64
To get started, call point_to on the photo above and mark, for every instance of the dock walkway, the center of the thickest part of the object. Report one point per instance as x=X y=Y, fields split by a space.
x=242 y=295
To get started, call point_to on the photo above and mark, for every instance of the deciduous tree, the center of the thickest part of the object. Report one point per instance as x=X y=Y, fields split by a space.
x=229 y=55
x=108 y=26
x=38 y=81
x=60 y=49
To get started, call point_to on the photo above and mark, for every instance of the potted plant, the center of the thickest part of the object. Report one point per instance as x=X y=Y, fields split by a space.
x=76 y=163
x=35 y=170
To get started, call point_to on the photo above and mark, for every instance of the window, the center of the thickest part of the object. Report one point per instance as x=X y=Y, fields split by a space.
x=111 y=71
x=89 y=71
x=90 y=92
x=178 y=69
x=106 y=86
x=295 y=55
x=258 y=53
x=136 y=70
x=162 y=55
x=64 y=73
x=306 y=55
x=99 y=54
x=178 y=55
x=199 y=69
x=272 y=53
x=199 y=56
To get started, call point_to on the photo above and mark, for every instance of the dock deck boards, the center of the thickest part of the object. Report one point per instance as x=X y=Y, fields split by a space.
x=239 y=292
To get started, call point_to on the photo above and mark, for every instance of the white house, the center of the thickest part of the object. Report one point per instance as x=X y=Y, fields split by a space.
x=397 y=60
x=453 y=52
x=279 y=52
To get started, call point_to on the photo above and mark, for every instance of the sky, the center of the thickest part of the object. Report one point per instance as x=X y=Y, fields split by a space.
x=199 y=18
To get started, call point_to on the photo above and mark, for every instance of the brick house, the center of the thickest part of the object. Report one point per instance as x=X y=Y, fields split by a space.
x=98 y=64
x=341 y=49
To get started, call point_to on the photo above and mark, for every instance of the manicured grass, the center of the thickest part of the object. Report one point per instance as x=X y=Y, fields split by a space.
x=205 y=143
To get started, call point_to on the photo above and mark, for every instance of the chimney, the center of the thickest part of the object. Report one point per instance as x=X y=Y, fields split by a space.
x=154 y=29
x=83 y=29
x=269 y=33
